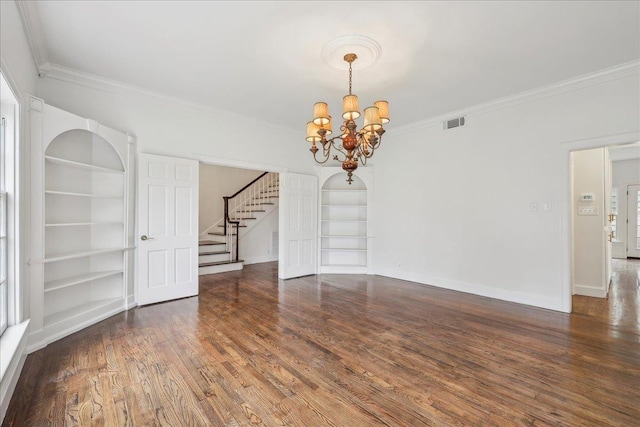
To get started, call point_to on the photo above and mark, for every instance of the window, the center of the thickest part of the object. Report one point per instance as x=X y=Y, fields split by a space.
x=9 y=110
x=4 y=293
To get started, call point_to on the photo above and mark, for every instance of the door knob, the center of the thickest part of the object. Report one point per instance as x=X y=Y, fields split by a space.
x=144 y=237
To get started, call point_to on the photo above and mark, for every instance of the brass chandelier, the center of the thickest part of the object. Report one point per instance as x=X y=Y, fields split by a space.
x=352 y=145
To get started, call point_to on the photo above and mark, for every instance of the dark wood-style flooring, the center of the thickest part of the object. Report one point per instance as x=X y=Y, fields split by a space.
x=341 y=351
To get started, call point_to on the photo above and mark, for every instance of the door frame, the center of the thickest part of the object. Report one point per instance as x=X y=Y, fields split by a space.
x=627 y=239
x=240 y=164
x=566 y=147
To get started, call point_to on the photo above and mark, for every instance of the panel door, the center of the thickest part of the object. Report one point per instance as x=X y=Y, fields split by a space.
x=167 y=251
x=633 y=218
x=298 y=225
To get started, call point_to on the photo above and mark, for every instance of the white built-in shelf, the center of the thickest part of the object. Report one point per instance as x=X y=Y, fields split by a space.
x=78 y=254
x=75 y=224
x=344 y=191
x=344 y=250
x=343 y=237
x=68 y=193
x=343 y=265
x=79 y=310
x=80 y=165
x=54 y=285
x=345 y=206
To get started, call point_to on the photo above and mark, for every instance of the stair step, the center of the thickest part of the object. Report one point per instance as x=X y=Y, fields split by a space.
x=260 y=204
x=209 y=264
x=243 y=218
x=209 y=242
x=222 y=226
x=214 y=253
x=253 y=210
x=219 y=267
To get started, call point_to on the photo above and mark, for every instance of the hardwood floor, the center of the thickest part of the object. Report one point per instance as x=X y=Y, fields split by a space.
x=338 y=351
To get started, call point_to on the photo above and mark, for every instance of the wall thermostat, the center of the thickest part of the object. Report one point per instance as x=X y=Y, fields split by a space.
x=587 y=197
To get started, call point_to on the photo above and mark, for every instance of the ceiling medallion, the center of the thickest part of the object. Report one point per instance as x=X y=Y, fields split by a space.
x=367 y=49
x=352 y=145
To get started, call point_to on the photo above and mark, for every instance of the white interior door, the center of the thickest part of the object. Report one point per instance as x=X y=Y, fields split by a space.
x=633 y=218
x=298 y=225
x=608 y=237
x=167 y=250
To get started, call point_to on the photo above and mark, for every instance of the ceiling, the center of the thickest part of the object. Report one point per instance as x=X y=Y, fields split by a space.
x=263 y=59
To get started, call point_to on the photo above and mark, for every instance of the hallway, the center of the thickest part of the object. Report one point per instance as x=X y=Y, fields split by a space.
x=622 y=306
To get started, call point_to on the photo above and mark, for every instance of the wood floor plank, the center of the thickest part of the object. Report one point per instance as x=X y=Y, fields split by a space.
x=338 y=350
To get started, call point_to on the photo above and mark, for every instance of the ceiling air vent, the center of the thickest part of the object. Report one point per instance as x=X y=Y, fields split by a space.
x=453 y=123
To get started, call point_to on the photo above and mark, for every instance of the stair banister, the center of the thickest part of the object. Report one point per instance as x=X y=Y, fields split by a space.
x=236 y=204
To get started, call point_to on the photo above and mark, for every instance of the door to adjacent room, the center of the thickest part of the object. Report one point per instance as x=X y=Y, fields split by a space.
x=167 y=245
x=633 y=218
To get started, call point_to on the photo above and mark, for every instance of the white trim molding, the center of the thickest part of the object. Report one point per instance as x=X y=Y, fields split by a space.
x=476 y=289
x=629 y=69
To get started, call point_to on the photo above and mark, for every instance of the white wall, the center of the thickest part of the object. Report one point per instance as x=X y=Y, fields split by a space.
x=216 y=182
x=452 y=208
x=170 y=127
x=625 y=172
x=588 y=230
x=256 y=245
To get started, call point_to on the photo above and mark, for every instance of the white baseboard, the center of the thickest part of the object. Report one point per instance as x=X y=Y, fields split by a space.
x=13 y=345
x=261 y=259
x=589 y=291
x=475 y=289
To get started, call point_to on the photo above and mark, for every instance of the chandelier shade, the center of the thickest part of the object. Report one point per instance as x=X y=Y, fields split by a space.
x=320 y=113
x=372 y=119
x=350 y=109
x=352 y=146
x=383 y=107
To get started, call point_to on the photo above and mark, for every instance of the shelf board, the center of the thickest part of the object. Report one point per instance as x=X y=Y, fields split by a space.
x=74 y=224
x=343 y=237
x=81 y=309
x=344 y=249
x=343 y=206
x=81 y=165
x=54 y=285
x=78 y=254
x=68 y=193
x=343 y=265
x=345 y=220
x=344 y=191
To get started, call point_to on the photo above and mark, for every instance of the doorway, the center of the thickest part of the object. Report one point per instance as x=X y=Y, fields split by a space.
x=628 y=145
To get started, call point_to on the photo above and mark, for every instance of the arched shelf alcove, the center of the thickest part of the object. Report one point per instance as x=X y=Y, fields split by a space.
x=80 y=252
x=345 y=222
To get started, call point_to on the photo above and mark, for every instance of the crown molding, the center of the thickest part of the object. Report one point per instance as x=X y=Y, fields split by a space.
x=94 y=81
x=28 y=11
x=629 y=69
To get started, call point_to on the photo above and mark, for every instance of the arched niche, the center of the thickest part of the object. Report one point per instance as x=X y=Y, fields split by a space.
x=83 y=146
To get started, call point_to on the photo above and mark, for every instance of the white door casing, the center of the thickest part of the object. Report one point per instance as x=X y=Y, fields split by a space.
x=607 y=224
x=298 y=225
x=633 y=211
x=167 y=250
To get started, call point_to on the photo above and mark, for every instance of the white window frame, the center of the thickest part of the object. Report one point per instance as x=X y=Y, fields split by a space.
x=9 y=170
x=4 y=255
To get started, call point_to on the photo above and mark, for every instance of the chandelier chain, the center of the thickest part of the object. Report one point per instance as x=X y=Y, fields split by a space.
x=350 y=74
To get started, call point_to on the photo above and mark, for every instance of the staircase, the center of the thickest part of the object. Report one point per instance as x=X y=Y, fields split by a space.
x=218 y=246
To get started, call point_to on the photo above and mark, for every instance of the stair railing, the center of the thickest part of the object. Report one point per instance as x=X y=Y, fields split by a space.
x=240 y=205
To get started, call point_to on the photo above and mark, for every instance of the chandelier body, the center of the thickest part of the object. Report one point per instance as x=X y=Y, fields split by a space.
x=351 y=146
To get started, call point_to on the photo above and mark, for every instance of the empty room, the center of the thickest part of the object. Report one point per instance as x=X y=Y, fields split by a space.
x=322 y=213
